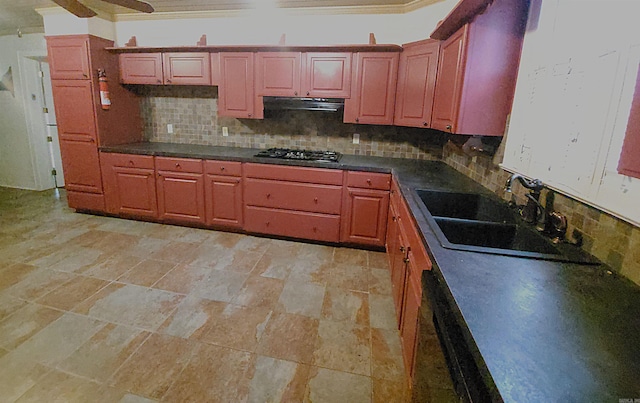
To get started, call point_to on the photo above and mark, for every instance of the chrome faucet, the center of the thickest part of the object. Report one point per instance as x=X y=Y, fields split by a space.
x=531 y=210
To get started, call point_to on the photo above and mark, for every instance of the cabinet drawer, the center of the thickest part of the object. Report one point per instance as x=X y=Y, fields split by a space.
x=178 y=164
x=293 y=196
x=368 y=180
x=295 y=224
x=127 y=160
x=223 y=168
x=294 y=174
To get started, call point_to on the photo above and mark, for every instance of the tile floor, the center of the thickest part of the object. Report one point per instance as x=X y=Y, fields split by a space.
x=103 y=309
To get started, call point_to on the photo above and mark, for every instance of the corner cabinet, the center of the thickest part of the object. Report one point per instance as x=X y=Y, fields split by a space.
x=365 y=208
x=374 y=89
x=417 y=70
x=236 y=97
x=477 y=71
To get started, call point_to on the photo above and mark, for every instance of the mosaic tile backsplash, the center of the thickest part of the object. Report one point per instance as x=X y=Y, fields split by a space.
x=613 y=241
x=193 y=113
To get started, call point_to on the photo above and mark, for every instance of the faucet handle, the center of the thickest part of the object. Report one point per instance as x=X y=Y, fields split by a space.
x=557 y=226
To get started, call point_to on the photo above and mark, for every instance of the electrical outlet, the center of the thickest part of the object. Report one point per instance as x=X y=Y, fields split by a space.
x=169 y=128
x=356 y=138
x=225 y=131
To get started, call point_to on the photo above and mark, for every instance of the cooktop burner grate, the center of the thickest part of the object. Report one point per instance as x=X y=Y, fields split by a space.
x=304 y=155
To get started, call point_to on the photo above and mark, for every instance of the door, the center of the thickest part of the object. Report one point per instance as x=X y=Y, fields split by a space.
x=327 y=75
x=278 y=74
x=141 y=68
x=81 y=165
x=69 y=57
x=51 y=126
x=366 y=218
x=236 y=90
x=181 y=196
x=224 y=201
x=187 y=68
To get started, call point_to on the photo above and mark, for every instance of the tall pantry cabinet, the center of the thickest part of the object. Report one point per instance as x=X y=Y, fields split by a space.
x=83 y=125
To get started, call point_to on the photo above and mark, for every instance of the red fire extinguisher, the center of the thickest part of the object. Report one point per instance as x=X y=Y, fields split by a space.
x=105 y=101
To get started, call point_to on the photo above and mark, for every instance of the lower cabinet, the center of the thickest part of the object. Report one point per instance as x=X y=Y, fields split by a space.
x=409 y=323
x=223 y=193
x=180 y=184
x=129 y=184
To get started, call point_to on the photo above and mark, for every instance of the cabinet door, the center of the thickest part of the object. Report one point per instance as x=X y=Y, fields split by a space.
x=416 y=84
x=327 y=75
x=410 y=325
x=223 y=201
x=236 y=91
x=141 y=68
x=181 y=196
x=278 y=74
x=365 y=216
x=449 y=81
x=373 y=97
x=187 y=68
x=81 y=165
x=68 y=57
x=129 y=184
x=73 y=102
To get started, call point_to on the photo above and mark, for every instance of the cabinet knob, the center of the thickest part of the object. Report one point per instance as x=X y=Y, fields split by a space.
x=177 y=165
x=85 y=75
x=131 y=162
x=169 y=80
x=159 y=81
x=394 y=219
x=92 y=140
x=295 y=93
x=267 y=223
x=369 y=182
x=402 y=249
x=268 y=195
x=425 y=123
x=315 y=200
x=357 y=119
x=222 y=168
x=249 y=115
x=406 y=260
x=448 y=127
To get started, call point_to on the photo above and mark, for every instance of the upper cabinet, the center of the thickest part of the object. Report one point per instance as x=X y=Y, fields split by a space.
x=236 y=92
x=68 y=57
x=327 y=75
x=178 y=68
x=278 y=74
x=374 y=81
x=477 y=71
x=416 y=83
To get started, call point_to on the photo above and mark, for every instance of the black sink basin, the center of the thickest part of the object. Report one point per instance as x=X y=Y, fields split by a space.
x=479 y=223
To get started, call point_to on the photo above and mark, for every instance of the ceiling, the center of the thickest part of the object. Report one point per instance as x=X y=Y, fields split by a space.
x=21 y=14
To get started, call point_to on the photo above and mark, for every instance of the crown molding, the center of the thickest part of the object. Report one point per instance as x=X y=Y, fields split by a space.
x=57 y=10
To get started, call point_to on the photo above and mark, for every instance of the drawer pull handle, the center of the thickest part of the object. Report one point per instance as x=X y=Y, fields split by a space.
x=222 y=168
x=268 y=195
x=394 y=218
x=315 y=200
x=177 y=165
x=267 y=223
x=402 y=249
x=369 y=182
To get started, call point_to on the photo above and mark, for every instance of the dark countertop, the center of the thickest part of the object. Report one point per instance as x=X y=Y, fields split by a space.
x=540 y=331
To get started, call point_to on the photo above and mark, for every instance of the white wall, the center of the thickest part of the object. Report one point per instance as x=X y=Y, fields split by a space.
x=573 y=98
x=17 y=158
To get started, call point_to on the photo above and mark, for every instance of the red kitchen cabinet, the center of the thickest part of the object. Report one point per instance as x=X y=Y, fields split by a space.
x=629 y=163
x=76 y=120
x=397 y=255
x=365 y=208
x=141 y=68
x=187 y=68
x=477 y=71
x=410 y=321
x=278 y=74
x=223 y=193
x=68 y=57
x=327 y=75
x=129 y=184
x=81 y=165
x=417 y=70
x=236 y=90
x=373 y=96
x=180 y=185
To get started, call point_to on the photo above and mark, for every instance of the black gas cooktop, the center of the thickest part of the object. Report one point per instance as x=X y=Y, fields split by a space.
x=305 y=155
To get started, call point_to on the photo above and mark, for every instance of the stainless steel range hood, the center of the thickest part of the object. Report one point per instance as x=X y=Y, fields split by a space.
x=303 y=104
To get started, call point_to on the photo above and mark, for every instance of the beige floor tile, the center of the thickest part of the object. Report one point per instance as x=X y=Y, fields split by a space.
x=147 y=272
x=326 y=385
x=238 y=261
x=279 y=247
x=151 y=370
x=208 y=254
x=382 y=311
x=301 y=298
x=214 y=374
x=101 y=355
x=386 y=355
x=193 y=317
x=27 y=251
x=273 y=266
x=58 y=387
x=289 y=337
x=18 y=375
x=317 y=253
x=38 y=283
x=347 y=256
x=278 y=381
x=343 y=346
x=380 y=281
x=378 y=260
x=72 y=292
x=385 y=391
x=112 y=268
x=79 y=261
x=131 y=305
x=147 y=247
x=59 y=339
x=9 y=304
x=344 y=305
x=349 y=277
x=176 y=252
x=12 y=273
x=259 y=291
x=24 y=323
x=310 y=271
x=238 y=327
x=253 y=244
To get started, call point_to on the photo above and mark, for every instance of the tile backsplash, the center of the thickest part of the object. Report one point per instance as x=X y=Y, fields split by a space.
x=613 y=241
x=193 y=113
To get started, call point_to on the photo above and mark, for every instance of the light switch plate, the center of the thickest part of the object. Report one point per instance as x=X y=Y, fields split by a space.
x=169 y=128
x=225 y=131
x=356 y=138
